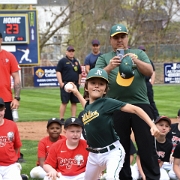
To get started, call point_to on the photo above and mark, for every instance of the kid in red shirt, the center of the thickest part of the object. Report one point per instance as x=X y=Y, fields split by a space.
x=67 y=158
x=10 y=144
x=54 y=129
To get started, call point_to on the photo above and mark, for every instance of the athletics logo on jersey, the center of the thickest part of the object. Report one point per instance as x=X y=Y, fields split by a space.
x=89 y=116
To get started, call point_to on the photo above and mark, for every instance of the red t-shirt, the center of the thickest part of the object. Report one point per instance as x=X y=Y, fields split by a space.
x=8 y=65
x=9 y=141
x=67 y=161
x=44 y=145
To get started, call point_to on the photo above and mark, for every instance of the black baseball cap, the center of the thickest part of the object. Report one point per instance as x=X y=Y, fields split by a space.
x=2 y=102
x=54 y=120
x=95 y=42
x=142 y=48
x=70 y=48
x=178 y=113
x=0 y=35
x=164 y=118
x=73 y=121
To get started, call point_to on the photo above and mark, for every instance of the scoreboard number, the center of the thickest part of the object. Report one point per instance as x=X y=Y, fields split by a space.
x=14 y=28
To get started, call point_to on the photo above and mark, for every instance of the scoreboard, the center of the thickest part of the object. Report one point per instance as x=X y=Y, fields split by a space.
x=14 y=28
x=19 y=30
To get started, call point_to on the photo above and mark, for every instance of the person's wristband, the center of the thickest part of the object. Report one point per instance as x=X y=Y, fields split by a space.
x=17 y=98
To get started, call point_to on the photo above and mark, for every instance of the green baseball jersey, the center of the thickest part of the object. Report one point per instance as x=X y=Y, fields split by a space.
x=135 y=93
x=98 y=123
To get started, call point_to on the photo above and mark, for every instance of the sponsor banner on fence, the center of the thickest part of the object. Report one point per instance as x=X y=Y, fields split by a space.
x=46 y=76
x=172 y=73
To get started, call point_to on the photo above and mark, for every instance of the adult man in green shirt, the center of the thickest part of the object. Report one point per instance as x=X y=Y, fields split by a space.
x=132 y=90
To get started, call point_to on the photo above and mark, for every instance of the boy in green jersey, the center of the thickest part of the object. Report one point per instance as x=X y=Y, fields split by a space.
x=106 y=152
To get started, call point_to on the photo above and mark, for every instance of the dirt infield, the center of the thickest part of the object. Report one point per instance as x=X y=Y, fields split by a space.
x=37 y=130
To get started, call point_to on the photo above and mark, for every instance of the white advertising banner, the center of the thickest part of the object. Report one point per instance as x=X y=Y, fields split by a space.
x=18 y=1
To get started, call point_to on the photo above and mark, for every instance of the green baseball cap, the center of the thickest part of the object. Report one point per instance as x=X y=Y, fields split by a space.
x=126 y=72
x=118 y=28
x=97 y=72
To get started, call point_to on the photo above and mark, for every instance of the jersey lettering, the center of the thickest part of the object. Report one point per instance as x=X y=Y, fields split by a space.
x=77 y=160
x=161 y=154
x=89 y=116
x=175 y=139
x=6 y=139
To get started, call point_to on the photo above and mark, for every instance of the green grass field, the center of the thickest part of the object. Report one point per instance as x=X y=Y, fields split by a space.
x=40 y=104
x=167 y=99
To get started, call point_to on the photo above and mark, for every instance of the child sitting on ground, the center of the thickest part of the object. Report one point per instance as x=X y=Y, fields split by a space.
x=174 y=137
x=163 y=149
x=176 y=164
x=54 y=129
x=67 y=158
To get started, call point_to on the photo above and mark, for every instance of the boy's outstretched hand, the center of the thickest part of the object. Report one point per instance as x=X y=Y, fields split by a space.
x=154 y=131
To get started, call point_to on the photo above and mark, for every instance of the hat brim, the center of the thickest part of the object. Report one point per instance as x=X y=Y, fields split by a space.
x=163 y=118
x=97 y=77
x=124 y=82
x=122 y=32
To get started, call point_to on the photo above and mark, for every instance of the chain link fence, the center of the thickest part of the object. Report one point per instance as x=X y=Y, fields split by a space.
x=27 y=73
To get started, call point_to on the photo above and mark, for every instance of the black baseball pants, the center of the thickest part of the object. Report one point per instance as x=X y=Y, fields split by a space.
x=123 y=122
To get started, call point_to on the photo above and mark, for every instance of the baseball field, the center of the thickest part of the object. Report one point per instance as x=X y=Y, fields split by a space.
x=37 y=105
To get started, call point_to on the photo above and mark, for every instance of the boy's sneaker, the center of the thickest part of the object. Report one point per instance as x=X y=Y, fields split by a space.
x=62 y=121
x=24 y=176
x=21 y=159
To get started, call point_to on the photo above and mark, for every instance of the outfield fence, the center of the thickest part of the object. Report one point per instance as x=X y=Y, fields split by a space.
x=27 y=75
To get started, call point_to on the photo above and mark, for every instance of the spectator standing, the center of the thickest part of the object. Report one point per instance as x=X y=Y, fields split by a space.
x=9 y=67
x=54 y=129
x=149 y=84
x=10 y=144
x=91 y=58
x=68 y=70
x=131 y=88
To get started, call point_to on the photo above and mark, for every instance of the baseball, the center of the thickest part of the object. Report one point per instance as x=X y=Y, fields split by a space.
x=68 y=87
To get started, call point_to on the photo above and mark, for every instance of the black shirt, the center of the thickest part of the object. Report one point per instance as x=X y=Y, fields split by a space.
x=69 y=69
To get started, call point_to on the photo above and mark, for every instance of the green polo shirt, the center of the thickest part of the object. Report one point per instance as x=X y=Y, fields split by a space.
x=136 y=93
